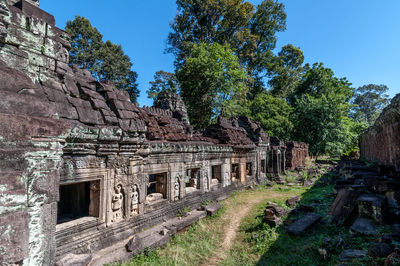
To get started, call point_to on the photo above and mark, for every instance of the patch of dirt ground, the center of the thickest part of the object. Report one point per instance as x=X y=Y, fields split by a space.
x=236 y=210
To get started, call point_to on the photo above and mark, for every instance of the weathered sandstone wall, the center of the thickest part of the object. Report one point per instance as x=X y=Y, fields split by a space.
x=381 y=143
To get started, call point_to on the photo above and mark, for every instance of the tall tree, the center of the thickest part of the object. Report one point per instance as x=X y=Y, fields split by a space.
x=116 y=66
x=250 y=31
x=321 y=112
x=163 y=81
x=212 y=82
x=86 y=42
x=286 y=71
x=370 y=101
x=104 y=60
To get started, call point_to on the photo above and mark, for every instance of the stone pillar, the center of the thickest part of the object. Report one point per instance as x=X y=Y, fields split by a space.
x=176 y=171
x=226 y=172
x=43 y=177
x=206 y=176
x=242 y=170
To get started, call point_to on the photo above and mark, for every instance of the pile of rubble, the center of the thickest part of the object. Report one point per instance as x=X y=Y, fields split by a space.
x=367 y=199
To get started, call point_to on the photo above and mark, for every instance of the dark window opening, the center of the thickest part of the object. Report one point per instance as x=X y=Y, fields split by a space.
x=193 y=178
x=235 y=172
x=216 y=173
x=28 y=24
x=263 y=166
x=157 y=185
x=78 y=200
x=249 y=171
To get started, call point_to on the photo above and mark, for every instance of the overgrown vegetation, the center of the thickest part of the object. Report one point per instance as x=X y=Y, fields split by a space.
x=256 y=243
x=260 y=244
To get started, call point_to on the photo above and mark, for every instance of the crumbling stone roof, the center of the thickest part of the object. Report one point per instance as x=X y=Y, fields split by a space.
x=72 y=94
x=236 y=131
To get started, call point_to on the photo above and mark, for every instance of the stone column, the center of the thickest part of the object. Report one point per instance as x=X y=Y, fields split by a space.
x=226 y=172
x=176 y=170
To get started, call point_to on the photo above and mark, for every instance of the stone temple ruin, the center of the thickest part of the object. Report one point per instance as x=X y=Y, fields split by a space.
x=81 y=167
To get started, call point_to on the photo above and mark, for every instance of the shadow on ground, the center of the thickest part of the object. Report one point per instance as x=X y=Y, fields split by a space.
x=320 y=245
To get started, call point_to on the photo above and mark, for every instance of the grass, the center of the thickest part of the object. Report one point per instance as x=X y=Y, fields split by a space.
x=258 y=244
x=255 y=242
x=196 y=245
x=188 y=248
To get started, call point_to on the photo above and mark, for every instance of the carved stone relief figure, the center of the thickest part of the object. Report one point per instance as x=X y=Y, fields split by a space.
x=227 y=179
x=135 y=200
x=117 y=204
x=177 y=188
x=206 y=181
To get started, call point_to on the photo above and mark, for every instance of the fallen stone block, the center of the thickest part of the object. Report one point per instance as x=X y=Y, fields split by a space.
x=377 y=185
x=393 y=259
x=212 y=208
x=364 y=226
x=344 y=206
x=180 y=223
x=292 y=202
x=380 y=250
x=371 y=206
x=350 y=254
x=74 y=260
x=155 y=240
x=135 y=244
x=306 y=222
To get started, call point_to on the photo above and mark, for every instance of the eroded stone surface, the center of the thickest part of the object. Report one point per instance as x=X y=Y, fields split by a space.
x=380 y=142
x=81 y=167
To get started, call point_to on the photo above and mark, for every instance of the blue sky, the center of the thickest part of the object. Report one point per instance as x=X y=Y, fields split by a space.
x=358 y=39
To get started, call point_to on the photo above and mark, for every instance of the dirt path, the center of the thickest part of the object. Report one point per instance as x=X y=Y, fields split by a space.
x=235 y=212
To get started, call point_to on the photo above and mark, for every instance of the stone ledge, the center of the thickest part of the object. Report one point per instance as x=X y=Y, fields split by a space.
x=151 y=238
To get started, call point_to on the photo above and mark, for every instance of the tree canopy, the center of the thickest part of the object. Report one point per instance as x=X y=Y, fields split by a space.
x=321 y=111
x=370 y=101
x=211 y=81
x=105 y=60
x=163 y=81
x=250 y=31
x=274 y=115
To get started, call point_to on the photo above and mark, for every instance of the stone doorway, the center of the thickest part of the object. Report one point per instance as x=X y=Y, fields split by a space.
x=192 y=180
x=249 y=169
x=78 y=200
x=216 y=175
x=235 y=174
x=263 y=166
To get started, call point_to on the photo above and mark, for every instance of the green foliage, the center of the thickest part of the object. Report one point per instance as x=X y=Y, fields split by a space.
x=206 y=202
x=116 y=66
x=286 y=71
x=105 y=60
x=163 y=81
x=212 y=81
x=86 y=42
x=370 y=101
x=321 y=112
x=184 y=211
x=273 y=114
x=250 y=31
